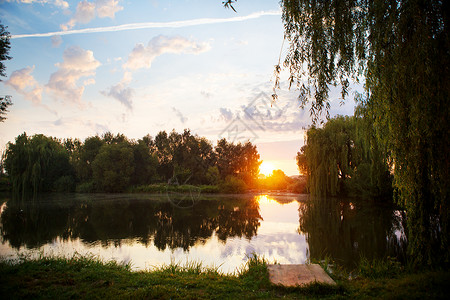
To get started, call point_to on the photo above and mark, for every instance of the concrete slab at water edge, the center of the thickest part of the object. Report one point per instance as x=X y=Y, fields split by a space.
x=297 y=275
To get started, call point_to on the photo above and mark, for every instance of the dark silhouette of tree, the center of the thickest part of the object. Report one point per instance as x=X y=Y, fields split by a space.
x=5 y=46
x=113 y=163
x=238 y=160
x=276 y=181
x=5 y=102
x=113 y=167
x=343 y=158
x=85 y=156
x=402 y=49
x=145 y=163
x=37 y=164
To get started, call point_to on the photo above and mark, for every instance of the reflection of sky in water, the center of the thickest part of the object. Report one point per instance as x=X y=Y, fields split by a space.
x=277 y=239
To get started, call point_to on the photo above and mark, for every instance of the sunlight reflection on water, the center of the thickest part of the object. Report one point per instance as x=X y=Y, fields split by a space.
x=148 y=231
x=275 y=238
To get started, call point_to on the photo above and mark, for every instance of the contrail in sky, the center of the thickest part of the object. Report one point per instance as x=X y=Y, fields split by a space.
x=134 y=26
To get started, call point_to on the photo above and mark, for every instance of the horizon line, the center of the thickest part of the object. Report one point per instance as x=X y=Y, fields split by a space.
x=148 y=25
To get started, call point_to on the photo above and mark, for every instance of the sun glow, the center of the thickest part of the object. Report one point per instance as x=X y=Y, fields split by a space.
x=266 y=168
x=264 y=199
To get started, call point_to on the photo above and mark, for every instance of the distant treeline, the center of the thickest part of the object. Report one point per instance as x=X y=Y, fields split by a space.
x=114 y=163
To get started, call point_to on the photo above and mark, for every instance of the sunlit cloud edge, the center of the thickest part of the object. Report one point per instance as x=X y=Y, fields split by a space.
x=147 y=25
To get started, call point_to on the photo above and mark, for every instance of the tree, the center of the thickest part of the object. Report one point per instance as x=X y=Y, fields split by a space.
x=145 y=163
x=4 y=103
x=85 y=156
x=5 y=45
x=402 y=50
x=164 y=154
x=276 y=181
x=37 y=164
x=113 y=167
x=342 y=157
x=239 y=160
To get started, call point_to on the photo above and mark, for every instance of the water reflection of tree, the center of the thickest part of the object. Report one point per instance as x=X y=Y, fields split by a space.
x=345 y=230
x=107 y=222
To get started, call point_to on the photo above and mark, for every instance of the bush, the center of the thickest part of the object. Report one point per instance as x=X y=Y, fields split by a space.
x=232 y=185
x=379 y=268
x=86 y=187
x=150 y=188
x=298 y=186
x=64 y=184
x=210 y=189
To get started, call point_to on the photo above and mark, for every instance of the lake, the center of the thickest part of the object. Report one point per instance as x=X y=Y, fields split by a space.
x=217 y=230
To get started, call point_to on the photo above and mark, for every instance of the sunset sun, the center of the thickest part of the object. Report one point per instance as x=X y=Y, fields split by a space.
x=266 y=168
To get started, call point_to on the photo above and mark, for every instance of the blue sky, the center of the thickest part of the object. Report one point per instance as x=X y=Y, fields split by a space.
x=82 y=68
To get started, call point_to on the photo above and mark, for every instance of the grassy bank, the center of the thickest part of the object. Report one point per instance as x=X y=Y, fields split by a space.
x=87 y=277
x=184 y=188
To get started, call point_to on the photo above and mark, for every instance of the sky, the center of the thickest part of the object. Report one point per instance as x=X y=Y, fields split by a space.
x=81 y=68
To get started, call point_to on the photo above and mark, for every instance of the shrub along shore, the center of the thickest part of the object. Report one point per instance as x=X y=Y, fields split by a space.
x=89 y=277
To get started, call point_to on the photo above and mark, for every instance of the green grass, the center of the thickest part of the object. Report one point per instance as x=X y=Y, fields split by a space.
x=92 y=278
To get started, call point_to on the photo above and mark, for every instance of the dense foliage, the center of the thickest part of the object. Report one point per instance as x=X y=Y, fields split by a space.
x=278 y=180
x=5 y=46
x=36 y=164
x=341 y=158
x=114 y=163
x=402 y=50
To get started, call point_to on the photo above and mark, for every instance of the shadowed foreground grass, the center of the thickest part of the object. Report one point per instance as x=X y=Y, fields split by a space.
x=89 y=277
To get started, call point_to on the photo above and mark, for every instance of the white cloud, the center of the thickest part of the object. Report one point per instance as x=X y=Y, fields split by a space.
x=86 y=12
x=89 y=81
x=143 y=56
x=24 y=83
x=108 y=8
x=122 y=93
x=77 y=63
x=61 y=3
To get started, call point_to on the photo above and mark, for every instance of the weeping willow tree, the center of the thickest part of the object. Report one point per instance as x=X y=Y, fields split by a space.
x=327 y=156
x=342 y=158
x=36 y=164
x=401 y=51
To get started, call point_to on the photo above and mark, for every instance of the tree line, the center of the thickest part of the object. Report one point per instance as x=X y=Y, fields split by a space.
x=114 y=163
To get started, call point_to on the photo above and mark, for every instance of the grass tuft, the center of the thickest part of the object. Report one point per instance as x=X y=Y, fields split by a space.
x=254 y=272
x=379 y=268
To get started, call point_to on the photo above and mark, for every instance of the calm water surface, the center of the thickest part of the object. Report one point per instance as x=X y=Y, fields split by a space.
x=220 y=230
